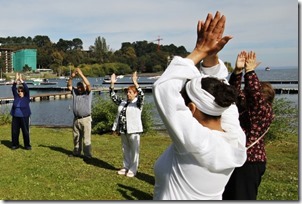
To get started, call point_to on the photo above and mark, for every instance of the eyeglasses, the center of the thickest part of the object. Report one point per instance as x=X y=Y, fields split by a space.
x=20 y=91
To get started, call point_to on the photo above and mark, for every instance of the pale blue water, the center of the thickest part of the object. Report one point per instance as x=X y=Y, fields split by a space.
x=59 y=112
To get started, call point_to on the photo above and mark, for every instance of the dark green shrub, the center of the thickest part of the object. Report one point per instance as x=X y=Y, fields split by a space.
x=147 y=119
x=104 y=112
x=286 y=120
x=103 y=115
x=5 y=117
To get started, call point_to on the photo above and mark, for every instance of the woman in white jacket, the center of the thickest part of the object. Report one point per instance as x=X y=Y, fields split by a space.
x=128 y=124
x=207 y=141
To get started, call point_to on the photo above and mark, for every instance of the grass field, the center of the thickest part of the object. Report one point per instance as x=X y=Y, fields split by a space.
x=47 y=173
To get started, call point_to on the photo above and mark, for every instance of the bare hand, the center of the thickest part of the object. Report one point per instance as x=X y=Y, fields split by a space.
x=79 y=71
x=240 y=62
x=209 y=34
x=134 y=77
x=113 y=78
x=73 y=74
x=251 y=62
x=209 y=38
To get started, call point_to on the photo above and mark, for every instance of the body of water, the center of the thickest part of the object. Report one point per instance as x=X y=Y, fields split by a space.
x=58 y=112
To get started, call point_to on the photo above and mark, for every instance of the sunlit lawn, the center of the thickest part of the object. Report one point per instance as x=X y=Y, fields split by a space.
x=47 y=173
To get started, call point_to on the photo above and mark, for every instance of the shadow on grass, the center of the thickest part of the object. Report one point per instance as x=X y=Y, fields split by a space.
x=58 y=149
x=145 y=177
x=6 y=143
x=100 y=163
x=129 y=193
x=92 y=161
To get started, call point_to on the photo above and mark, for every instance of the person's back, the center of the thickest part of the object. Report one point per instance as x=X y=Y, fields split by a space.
x=255 y=104
x=201 y=159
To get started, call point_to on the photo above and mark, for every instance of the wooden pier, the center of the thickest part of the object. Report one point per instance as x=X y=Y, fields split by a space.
x=40 y=97
x=281 y=87
x=64 y=94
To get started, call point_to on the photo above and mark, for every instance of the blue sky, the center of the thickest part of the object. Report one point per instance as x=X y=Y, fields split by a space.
x=268 y=27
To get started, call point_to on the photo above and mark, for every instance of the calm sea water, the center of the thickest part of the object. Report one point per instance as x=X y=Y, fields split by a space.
x=59 y=112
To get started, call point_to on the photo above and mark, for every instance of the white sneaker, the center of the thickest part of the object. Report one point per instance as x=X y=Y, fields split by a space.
x=122 y=171
x=130 y=174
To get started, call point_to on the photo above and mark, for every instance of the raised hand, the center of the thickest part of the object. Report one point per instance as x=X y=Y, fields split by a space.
x=209 y=37
x=79 y=71
x=17 y=76
x=240 y=62
x=251 y=62
x=113 y=79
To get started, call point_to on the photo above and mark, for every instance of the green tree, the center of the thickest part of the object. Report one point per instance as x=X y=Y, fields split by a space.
x=77 y=44
x=229 y=67
x=57 y=58
x=26 y=68
x=100 y=49
x=42 y=41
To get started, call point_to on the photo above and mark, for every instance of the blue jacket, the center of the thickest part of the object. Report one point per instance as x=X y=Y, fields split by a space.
x=22 y=103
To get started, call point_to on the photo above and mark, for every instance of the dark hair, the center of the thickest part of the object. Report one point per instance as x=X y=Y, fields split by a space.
x=267 y=92
x=80 y=84
x=20 y=88
x=224 y=94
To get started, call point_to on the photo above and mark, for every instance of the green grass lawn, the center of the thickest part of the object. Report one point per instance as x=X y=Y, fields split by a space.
x=47 y=173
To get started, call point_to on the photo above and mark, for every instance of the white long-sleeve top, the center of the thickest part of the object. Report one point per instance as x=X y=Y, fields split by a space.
x=199 y=162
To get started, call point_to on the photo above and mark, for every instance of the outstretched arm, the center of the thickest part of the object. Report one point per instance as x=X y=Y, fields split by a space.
x=85 y=80
x=69 y=82
x=134 y=79
x=112 y=80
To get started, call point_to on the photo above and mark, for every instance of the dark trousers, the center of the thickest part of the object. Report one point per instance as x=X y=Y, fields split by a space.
x=244 y=182
x=23 y=124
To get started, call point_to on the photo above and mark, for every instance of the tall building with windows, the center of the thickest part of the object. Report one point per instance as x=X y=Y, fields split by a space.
x=6 y=60
x=24 y=57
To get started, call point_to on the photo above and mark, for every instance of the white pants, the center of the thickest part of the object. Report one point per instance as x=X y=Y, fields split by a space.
x=130 y=147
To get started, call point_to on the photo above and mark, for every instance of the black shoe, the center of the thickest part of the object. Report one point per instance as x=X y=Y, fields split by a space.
x=87 y=158
x=14 y=147
x=74 y=155
x=28 y=148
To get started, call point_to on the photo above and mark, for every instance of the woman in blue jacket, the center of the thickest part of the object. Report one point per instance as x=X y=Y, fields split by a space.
x=21 y=113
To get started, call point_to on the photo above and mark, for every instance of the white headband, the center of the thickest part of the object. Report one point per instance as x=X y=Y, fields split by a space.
x=203 y=99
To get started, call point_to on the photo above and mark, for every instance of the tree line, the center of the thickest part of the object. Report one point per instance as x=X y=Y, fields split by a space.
x=99 y=59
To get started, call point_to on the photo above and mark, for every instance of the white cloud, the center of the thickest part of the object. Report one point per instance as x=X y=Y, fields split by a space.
x=269 y=27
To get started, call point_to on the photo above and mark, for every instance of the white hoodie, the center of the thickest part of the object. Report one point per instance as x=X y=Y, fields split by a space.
x=199 y=162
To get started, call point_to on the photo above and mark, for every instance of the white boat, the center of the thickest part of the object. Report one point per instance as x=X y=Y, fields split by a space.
x=267 y=68
x=63 y=77
x=154 y=77
x=37 y=79
x=107 y=79
x=47 y=82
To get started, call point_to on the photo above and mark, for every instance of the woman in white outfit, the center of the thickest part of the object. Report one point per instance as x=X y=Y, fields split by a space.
x=128 y=124
x=207 y=141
